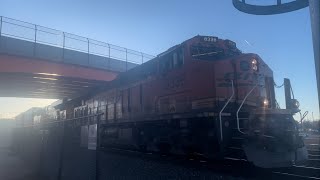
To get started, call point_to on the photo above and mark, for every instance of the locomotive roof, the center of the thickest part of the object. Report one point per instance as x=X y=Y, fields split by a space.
x=195 y=38
x=142 y=71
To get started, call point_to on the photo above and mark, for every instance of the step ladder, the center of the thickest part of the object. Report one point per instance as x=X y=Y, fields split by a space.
x=234 y=148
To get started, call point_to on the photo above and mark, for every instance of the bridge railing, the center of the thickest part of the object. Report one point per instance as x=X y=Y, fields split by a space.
x=88 y=51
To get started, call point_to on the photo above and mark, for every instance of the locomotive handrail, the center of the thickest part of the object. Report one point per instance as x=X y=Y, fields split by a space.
x=64 y=120
x=225 y=105
x=41 y=35
x=245 y=98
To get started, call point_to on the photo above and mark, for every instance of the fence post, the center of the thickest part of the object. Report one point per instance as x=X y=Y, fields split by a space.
x=98 y=147
x=63 y=45
x=35 y=33
x=61 y=150
x=35 y=40
x=278 y=2
x=109 y=56
x=142 y=57
x=0 y=31
x=0 y=26
x=88 y=52
x=126 y=59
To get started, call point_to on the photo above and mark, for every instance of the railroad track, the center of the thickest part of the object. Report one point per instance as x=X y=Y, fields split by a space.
x=240 y=167
x=298 y=172
x=314 y=154
x=227 y=167
x=230 y=166
x=307 y=170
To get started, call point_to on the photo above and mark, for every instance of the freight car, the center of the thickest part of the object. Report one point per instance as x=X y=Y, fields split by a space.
x=202 y=97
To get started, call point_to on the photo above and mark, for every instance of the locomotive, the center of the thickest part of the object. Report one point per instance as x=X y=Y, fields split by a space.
x=202 y=97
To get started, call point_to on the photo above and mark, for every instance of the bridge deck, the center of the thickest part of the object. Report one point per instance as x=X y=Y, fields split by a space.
x=40 y=62
x=23 y=48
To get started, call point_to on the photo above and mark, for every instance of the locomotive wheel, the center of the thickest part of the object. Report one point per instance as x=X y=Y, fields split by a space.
x=143 y=147
x=164 y=148
x=141 y=141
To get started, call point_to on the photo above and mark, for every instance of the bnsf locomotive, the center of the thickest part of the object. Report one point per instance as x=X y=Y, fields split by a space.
x=203 y=96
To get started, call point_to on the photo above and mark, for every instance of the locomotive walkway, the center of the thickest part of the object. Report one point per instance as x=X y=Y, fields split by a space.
x=41 y=62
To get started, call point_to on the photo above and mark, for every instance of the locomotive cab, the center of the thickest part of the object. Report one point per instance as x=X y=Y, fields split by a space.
x=210 y=48
x=222 y=80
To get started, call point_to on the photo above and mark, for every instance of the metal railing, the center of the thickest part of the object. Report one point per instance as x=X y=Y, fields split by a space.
x=47 y=36
x=245 y=98
x=220 y=113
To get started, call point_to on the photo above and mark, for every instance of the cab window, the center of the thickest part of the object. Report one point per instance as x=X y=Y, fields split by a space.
x=178 y=58
x=207 y=53
x=172 y=60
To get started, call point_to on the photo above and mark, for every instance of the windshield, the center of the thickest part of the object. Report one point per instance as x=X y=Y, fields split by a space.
x=207 y=53
x=212 y=53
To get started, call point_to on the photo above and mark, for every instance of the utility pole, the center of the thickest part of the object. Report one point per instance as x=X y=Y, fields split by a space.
x=312 y=117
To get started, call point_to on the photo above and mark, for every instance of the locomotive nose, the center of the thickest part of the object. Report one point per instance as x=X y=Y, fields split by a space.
x=278 y=158
x=277 y=144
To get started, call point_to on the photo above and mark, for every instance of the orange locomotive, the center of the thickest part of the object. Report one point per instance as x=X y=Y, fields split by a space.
x=203 y=96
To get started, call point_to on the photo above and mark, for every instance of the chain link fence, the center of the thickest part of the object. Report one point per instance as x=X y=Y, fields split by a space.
x=58 y=149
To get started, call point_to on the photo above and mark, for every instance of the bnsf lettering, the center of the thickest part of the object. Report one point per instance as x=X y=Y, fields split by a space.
x=176 y=83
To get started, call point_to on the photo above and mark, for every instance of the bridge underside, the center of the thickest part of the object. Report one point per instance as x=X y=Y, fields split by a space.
x=43 y=86
x=26 y=77
x=53 y=64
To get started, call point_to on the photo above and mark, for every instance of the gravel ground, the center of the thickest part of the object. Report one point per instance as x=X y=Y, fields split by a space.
x=312 y=139
x=120 y=166
x=13 y=168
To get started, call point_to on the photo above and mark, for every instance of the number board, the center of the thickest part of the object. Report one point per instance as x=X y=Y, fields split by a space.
x=210 y=39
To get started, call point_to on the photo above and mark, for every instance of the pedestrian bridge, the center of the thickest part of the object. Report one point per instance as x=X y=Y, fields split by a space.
x=41 y=62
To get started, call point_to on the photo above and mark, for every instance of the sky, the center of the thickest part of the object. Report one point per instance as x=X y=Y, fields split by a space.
x=283 y=41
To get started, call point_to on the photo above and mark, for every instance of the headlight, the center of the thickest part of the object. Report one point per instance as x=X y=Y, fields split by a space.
x=254 y=61
x=265 y=102
x=254 y=64
x=295 y=103
x=255 y=67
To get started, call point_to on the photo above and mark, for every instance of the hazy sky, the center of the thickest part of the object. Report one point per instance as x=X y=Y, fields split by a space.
x=283 y=41
x=10 y=107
